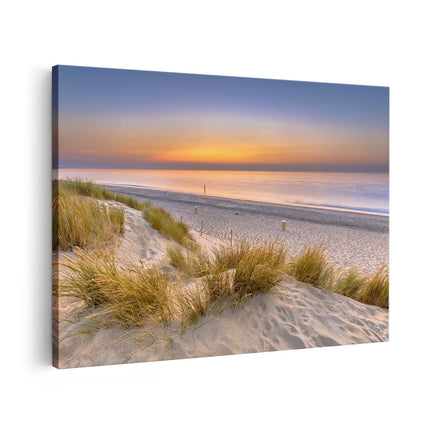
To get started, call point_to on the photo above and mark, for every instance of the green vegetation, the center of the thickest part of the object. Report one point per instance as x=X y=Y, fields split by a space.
x=371 y=290
x=88 y=189
x=78 y=221
x=81 y=222
x=191 y=305
x=131 y=296
x=226 y=275
x=258 y=268
x=312 y=267
x=135 y=296
x=254 y=269
x=167 y=225
x=375 y=290
x=193 y=264
x=180 y=260
x=350 y=283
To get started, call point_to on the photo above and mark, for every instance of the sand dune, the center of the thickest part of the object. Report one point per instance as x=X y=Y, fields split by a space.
x=295 y=315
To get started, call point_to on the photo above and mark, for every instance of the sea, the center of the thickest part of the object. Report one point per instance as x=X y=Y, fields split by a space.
x=358 y=192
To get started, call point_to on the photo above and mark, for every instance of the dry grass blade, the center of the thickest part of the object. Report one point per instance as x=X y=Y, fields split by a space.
x=312 y=267
x=193 y=264
x=82 y=222
x=192 y=305
x=163 y=222
x=350 y=283
x=76 y=220
x=239 y=271
x=375 y=290
x=131 y=296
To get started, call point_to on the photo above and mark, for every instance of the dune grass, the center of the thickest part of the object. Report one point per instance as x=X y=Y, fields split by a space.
x=182 y=260
x=79 y=222
x=191 y=304
x=258 y=268
x=89 y=189
x=162 y=221
x=350 y=283
x=253 y=269
x=375 y=290
x=227 y=274
x=312 y=267
x=368 y=289
x=81 y=279
x=131 y=296
x=194 y=264
x=135 y=296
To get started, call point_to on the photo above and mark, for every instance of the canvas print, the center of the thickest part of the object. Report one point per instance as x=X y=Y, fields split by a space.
x=198 y=215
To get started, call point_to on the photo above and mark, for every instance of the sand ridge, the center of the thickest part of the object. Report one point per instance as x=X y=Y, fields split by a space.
x=295 y=315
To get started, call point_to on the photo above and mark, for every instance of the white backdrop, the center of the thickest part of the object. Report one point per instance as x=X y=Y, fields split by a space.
x=366 y=386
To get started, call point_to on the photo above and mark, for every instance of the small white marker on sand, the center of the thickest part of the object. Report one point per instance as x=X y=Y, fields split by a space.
x=283 y=224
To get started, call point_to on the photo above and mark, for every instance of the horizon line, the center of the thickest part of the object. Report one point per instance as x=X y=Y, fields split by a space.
x=383 y=168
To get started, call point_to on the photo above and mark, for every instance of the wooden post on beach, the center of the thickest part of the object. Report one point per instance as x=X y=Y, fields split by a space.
x=204 y=189
x=196 y=210
x=181 y=219
x=231 y=237
x=201 y=227
x=283 y=224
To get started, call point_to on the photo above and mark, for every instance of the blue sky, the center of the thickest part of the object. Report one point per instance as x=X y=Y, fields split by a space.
x=138 y=119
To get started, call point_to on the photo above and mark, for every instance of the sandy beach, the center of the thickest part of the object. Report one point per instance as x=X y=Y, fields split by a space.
x=295 y=315
x=352 y=238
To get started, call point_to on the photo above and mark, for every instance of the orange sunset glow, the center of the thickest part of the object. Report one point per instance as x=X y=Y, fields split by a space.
x=175 y=121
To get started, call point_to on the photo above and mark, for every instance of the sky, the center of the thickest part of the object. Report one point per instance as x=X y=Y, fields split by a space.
x=112 y=118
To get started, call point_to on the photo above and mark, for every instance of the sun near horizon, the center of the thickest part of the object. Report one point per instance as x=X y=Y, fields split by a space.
x=110 y=118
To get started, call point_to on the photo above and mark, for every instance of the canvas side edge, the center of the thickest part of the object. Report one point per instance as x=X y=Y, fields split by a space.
x=55 y=274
